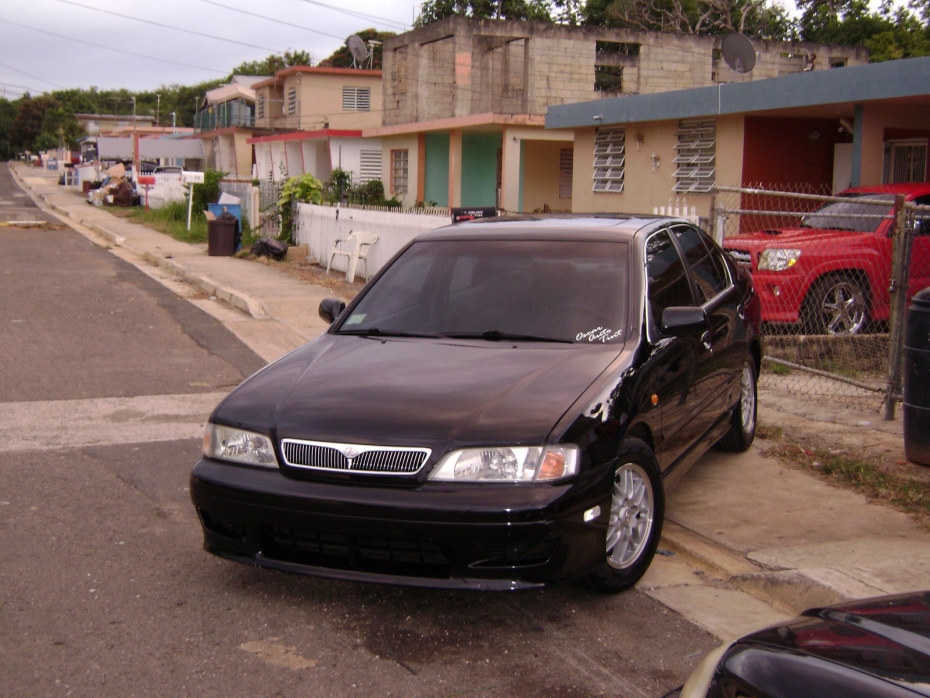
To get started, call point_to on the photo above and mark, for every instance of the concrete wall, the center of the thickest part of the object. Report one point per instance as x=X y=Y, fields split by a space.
x=458 y=67
x=319 y=102
x=648 y=186
x=541 y=176
x=410 y=143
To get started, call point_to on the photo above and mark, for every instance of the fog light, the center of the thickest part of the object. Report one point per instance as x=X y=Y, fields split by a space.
x=592 y=514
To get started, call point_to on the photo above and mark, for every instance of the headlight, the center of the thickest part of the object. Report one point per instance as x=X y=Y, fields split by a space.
x=508 y=464
x=226 y=443
x=778 y=260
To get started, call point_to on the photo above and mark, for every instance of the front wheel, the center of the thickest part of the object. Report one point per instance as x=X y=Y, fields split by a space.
x=637 y=510
x=836 y=305
x=743 y=423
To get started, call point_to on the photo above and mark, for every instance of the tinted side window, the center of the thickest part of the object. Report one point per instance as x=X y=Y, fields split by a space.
x=668 y=283
x=922 y=219
x=709 y=272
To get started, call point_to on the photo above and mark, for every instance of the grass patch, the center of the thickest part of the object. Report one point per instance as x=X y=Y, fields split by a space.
x=778 y=369
x=868 y=476
x=171 y=219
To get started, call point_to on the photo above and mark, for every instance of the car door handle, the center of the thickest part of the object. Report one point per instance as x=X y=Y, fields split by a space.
x=741 y=311
x=706 y=341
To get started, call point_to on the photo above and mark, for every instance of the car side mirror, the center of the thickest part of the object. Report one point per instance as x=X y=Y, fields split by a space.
x=683 y=318
x=330 y=309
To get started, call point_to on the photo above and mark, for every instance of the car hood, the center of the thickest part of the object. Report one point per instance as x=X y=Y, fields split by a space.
x=783 y=237
x=436 y=393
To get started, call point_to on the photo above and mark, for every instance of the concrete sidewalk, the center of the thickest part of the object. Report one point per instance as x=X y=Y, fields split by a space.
x=748 y=541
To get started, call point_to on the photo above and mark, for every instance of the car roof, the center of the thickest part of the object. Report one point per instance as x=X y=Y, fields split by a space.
x=602 y=227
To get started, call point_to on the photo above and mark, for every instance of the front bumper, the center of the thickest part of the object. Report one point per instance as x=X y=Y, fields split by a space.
x=450 y=535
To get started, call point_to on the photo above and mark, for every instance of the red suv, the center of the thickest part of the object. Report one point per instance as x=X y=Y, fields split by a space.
x=832 y=272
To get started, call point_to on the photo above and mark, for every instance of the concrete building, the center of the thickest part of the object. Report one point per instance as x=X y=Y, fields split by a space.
x=465 y=100
x=106 y=124
x=861 y=125
x=315 y=117
x=225 y=122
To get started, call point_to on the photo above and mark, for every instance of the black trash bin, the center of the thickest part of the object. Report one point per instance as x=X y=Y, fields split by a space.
x=917 y=379
x=221 y=236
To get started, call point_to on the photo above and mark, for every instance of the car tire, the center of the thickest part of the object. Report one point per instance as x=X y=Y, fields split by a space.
x=743 y=422
x=836 y=304
x=637 y=511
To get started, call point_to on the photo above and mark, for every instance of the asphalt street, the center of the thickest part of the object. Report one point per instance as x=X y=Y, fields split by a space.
x=106 y=379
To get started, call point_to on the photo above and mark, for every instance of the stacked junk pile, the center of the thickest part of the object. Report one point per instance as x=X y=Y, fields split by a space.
x=115 y=190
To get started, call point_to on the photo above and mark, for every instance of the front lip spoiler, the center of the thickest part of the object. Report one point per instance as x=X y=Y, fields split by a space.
x=458 y=583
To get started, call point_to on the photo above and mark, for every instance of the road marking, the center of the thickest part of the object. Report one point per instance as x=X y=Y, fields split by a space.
x=63 y=424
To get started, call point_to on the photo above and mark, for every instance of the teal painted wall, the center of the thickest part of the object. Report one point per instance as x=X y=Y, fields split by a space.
x=479 y=168
x=437 y=168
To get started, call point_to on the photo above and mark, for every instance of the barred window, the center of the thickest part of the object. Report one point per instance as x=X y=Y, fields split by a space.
x=370 y=166
x=356 y=99
x=697 y=153
x=609 y=159
x=292 y=100
x=400 y=169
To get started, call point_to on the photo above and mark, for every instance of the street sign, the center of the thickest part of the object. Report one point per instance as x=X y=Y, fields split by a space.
x=192 y=177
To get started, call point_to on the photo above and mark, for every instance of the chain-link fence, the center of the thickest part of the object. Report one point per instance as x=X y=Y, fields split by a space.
x=833 y=275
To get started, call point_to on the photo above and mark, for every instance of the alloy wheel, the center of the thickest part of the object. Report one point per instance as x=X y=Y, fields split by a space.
x=843 y=308
x=747 y=398
x=631 y=514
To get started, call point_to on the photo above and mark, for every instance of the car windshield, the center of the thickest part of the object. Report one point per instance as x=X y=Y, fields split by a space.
x=854 y=215
x=530 y=290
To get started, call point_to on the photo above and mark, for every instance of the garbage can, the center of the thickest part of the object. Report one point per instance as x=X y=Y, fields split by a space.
x=221 y=237
x=917 y=379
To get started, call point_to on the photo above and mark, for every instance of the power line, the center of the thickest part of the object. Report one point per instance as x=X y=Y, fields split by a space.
x=360 y=15
x=106 y=48
x=29 y=75
x=25 y=87
x=167 y=26
x=272 y=19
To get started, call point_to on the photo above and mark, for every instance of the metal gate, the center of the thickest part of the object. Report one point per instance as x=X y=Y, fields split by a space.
x=834 y=275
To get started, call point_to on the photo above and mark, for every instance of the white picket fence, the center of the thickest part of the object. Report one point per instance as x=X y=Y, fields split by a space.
x=320 y=227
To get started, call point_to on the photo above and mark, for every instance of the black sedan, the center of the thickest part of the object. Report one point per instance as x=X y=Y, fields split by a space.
x=502 y=406
x=875 y=648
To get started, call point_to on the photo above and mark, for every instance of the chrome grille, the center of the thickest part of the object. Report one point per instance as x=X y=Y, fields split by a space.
x=742 y=258
x=356 y=458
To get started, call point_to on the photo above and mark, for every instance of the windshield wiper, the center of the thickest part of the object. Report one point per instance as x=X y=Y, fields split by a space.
x=376 y=332
x=498 y=336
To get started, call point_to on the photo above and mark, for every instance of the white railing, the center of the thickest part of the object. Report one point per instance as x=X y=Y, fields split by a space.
x=320 y=226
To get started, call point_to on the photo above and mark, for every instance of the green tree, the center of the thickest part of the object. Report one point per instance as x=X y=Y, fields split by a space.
x=272 y=64
x=528 y=10
x=889 y=33
x=341 y=58
x=756 y=18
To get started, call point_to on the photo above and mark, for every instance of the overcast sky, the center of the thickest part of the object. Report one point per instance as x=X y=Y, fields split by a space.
x=32 y=58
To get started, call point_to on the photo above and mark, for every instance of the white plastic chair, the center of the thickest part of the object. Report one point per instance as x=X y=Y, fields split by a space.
x=356 y=250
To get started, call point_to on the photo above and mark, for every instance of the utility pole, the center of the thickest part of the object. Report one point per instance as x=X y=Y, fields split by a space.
x=157 y=107
x=135 y=142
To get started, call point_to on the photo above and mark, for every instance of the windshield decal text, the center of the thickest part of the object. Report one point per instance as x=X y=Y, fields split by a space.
x=598 y=334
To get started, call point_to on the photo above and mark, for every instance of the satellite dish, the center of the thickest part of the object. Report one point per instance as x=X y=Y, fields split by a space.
x=357 y=48
x=738 y=52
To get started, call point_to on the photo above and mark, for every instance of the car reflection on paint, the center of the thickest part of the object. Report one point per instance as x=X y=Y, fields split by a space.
x=502 y=406
x=876 y=647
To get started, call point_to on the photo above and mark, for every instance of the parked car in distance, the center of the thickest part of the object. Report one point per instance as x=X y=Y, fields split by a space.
x=832 y=272
x=503 y=405
x=875 y=648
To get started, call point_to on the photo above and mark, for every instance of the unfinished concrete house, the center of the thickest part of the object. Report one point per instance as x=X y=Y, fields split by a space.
x=465 y=100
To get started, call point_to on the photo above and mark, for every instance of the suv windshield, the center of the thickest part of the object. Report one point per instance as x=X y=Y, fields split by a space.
x=532 y=290
x=854 y=215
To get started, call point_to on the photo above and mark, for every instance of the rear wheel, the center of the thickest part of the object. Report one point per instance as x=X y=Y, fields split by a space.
x=836 y=304
x=743 y=423
x=637 y=510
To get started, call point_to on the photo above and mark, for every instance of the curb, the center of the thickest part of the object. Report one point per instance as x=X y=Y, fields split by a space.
x=790 y=591
x=239 y=301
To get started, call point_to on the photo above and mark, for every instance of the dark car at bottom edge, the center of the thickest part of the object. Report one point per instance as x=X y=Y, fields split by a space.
x=503 y=405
